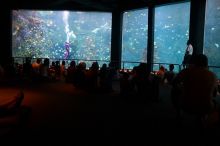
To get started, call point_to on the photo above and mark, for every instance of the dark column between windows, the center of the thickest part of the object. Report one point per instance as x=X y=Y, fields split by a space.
x=197 y=23
x=150 y=41
x=116 y=38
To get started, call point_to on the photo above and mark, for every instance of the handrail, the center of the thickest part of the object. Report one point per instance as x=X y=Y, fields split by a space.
x=123 y=62
x=213 y=66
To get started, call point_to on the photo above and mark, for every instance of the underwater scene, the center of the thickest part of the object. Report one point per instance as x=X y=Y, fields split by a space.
x=170 y=35
x=171 y=32
x=212 y=35
x=87 y=35
x=61 y=34
x=134 y=37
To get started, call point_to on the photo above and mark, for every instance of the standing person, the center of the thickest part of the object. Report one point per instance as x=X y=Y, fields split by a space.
x=36 y=68
x=71 y=72
x=188 y=54
x=169 y=75
x=194 y=88
x=63 y=70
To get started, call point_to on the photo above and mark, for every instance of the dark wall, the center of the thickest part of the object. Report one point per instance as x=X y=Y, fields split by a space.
x=5 y=25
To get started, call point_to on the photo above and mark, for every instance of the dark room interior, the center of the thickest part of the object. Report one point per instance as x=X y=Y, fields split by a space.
x=70 y=109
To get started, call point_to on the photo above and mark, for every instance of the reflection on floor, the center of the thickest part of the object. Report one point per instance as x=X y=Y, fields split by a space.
x=64 y=115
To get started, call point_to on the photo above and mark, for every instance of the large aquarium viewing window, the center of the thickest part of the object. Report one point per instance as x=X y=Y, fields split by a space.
x=134 y=37
x=212 y=34
x=171 y=33
x=61 y=34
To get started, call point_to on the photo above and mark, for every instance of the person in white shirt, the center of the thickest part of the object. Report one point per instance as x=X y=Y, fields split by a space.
x=188 y=54
x=189 y=48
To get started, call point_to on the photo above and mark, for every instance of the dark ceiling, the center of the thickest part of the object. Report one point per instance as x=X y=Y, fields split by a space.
x=90 y=5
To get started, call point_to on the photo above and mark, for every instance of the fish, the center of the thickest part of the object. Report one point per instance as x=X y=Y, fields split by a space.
x=72 y=34
x=103 y=27
x=95 y=30
x=166 y=26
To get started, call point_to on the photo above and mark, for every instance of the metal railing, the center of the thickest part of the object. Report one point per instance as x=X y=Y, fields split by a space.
x=124 y=64
x=22 y=60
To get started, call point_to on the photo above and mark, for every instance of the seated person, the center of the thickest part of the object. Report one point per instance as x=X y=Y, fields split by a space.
x=196 y=86
x=12 y=106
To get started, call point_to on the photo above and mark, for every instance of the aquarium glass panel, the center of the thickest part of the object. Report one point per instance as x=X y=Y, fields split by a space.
x=134 y=37
x=171 y=32
x=212 y=34
x=61 y=34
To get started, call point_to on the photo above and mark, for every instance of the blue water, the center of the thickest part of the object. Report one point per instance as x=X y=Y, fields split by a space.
x=171 y=34
x=42 y=34
x=134 y=37
x=212 y=34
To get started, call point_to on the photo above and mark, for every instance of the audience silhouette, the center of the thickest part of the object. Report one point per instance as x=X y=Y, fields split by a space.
x=169 y=75
x=194 y=88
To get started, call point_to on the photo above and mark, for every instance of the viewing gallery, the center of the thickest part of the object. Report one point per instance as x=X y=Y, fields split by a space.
x=126 y=72
x=82 y=35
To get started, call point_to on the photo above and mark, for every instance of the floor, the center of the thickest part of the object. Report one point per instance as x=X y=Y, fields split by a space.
x=61 y=114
